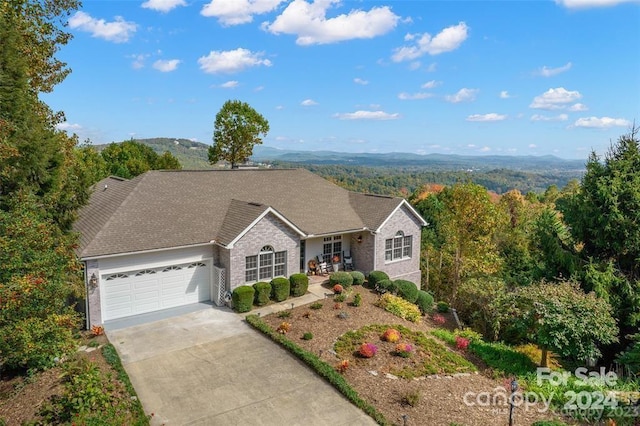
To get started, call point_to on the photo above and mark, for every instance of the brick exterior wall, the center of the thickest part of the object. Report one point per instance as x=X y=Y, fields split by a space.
x=407 y=269
x=363 y=253
x=268 y=231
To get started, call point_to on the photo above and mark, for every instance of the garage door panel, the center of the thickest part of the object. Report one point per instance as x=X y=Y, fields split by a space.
x=150 y=290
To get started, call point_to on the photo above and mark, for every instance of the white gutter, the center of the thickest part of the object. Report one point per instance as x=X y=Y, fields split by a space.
x=128 y=253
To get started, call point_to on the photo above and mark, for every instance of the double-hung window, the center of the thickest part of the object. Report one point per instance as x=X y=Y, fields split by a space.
x=265 y=265
x=398 y=247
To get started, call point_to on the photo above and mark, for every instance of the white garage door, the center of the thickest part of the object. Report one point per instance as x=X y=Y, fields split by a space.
x=148 y=290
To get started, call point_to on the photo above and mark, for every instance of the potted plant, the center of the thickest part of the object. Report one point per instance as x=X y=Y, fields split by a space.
x=335 y=260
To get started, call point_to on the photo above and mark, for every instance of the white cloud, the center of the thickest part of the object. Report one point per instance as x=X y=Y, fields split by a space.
x=308 y=21
x=118 y=31
x=583 y=4
x=559 y=117
x=308 y=102
x=236 y=12
x=229 y=84
x=279 y=107
x=163 y=5
x=463 y=95
x=485 y=149
x=555 y=99
x=578 y=107
x=601 y=122
x=432 y=67
x=445 y=41
x=487 y=117
x=66 y=126
x=259 y=89
x=431 y=84
x=367 y=115
x=505 y=95
x=358 y=80
x=550 y=72
x=532 y=146
x=231 y=61
x=166 y=65
x=414 y=65
x=412 y=96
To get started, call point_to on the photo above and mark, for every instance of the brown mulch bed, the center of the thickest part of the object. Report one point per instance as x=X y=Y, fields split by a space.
x=441 y=396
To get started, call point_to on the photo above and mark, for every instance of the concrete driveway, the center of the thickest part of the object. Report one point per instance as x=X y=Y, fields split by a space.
x=210 y=368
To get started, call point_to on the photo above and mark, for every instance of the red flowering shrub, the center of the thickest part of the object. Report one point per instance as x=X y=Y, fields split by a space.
x=404 y=350
x=438 y=319
x=337 y=289
x=462 y=343
x=367 y=350
x=391 y=335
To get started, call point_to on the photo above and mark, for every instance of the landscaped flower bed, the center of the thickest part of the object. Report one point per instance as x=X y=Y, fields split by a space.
x=428 y=385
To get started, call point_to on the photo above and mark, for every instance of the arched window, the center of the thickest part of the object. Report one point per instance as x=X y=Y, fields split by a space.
x=266 y=265
x=398 y=247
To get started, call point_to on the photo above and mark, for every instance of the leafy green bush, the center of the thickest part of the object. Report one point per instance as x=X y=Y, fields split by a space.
x=316 y=305
x=299 y=284
x=341 y=297
x=307 y=336
x=341 y=277
x=357 y=300
x=242 y=298
x=262 y=293
x=442 y=307
x=424 y=302
x=358 y=277
x=399 y=307
x=85 y=390
x=34 y=343
x=387 y=286
x=280 y=289
x=375 y=277
x=407 y=290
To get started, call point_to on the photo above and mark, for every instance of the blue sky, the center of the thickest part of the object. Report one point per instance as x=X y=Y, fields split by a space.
x=461 y=77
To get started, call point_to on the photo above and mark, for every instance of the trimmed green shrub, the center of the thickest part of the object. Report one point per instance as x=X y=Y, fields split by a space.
x=280 y=289
x=307 y=336
x=442 y=307
x=375 y=277
x=341 y=277
x=424 y=301
x=299 y=284
x=242 y=298
x=407 y=290
x=262 y=293
x=387 y=285
x=357 y=300
x=358 y=277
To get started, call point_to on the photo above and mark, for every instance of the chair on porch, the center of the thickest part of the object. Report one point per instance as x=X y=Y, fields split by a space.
x=322 y=267
x=347 y=260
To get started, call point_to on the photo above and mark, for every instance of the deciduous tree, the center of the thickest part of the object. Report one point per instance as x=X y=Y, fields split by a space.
x=237 y=128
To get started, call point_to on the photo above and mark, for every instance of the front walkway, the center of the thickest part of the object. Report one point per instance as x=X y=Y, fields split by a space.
x=315 y=292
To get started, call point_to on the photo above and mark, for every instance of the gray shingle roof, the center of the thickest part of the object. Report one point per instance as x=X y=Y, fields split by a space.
x=162 y=209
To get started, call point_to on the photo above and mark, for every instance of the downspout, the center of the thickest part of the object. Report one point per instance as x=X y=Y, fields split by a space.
x=86 y=298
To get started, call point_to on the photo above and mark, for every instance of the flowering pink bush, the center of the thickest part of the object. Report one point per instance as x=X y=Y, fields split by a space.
x=438 y=319
x=404 y=350
x=462 y=343
x=391 y=335
x=337 y=289
x=368 y=350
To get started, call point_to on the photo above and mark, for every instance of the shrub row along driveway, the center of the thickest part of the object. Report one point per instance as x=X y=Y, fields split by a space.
x=210 y=368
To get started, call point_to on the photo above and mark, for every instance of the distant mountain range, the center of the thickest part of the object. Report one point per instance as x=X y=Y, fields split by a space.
x=193 y=155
